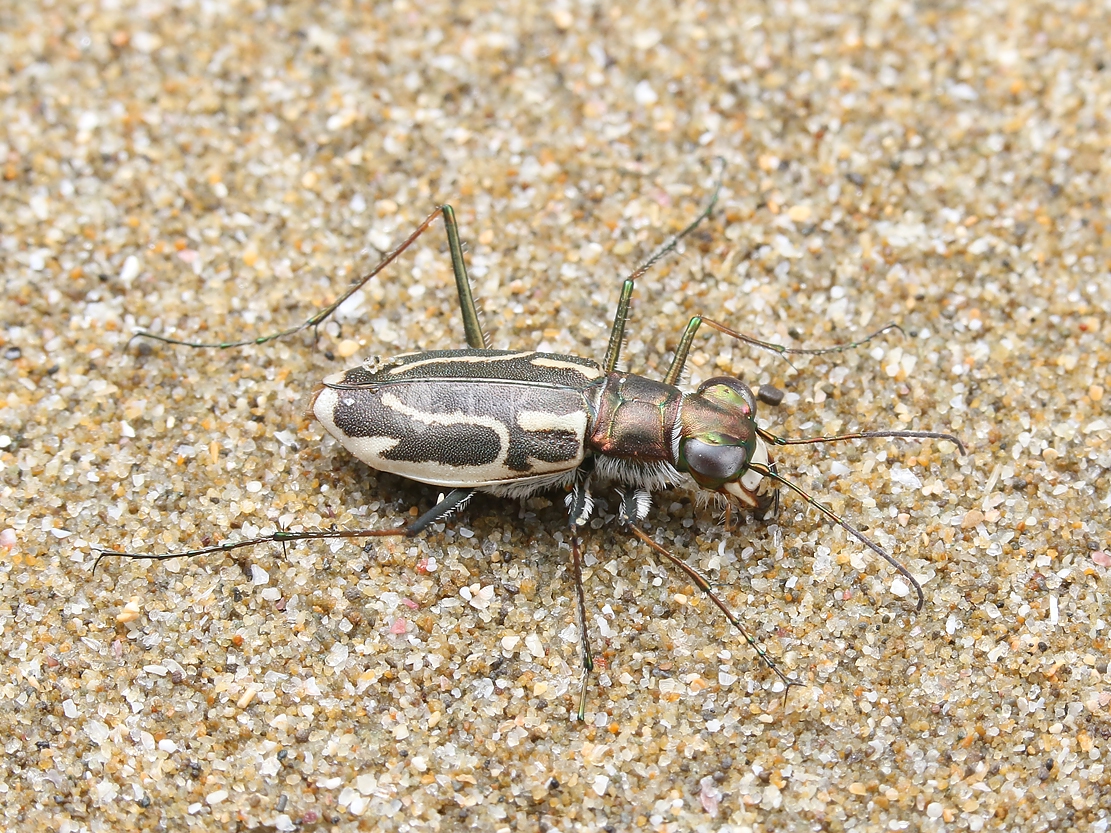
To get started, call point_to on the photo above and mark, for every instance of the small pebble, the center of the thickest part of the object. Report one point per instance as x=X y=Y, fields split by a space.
x=130 y=612
x=770 y=395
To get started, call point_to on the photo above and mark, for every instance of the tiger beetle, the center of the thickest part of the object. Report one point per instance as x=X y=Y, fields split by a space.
x=512 y=423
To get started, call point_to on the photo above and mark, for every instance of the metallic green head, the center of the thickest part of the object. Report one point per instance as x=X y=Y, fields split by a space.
x=718 y=442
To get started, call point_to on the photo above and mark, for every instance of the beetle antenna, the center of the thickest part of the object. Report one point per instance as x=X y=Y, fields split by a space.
x=841 y=522
x=864 y=435
x=783 y=350
x=681 y=352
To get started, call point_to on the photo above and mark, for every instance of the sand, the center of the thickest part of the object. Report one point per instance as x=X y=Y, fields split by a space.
x=220 y=171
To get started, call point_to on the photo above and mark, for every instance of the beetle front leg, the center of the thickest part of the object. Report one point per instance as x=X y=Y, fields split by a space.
x=633 y=507
x=703 y=584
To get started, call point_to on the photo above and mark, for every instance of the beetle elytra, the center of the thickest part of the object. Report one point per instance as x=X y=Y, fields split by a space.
x=514 y=423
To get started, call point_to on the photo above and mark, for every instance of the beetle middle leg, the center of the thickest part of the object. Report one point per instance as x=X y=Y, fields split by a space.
x=621 y=317
x=682 y=351
x=617 y=333
x=579 y=506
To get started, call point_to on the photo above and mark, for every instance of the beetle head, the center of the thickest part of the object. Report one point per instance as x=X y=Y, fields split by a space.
x=718 y=443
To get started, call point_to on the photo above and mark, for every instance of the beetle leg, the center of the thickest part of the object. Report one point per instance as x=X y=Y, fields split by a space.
x=681 y=352
x=454 y=501
x=448 y=505
x=584 y=637
x=617 y=333
x=579 y=506
x=472 y=319
x=771 y=511
x=703 y=584
x=280 y=537
x=633 y=505
x=472 y=324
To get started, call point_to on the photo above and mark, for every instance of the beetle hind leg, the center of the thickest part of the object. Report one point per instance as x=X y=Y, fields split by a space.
x=472 y=315
x=472 y=319
x=447 y=505
x=617 y=333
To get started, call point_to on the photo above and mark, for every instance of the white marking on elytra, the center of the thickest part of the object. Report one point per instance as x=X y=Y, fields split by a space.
x=458 y=359
x=492 y=472
x=575 y=422
x=370 y=450
x=583 y=370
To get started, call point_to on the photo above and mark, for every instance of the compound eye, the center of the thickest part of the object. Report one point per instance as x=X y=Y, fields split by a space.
x=714 y=463
x=730 y=392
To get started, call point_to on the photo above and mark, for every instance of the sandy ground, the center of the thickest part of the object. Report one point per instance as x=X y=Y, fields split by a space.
x=213 y=171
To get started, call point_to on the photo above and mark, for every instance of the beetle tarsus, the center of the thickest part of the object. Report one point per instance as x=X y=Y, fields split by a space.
x=453 y=502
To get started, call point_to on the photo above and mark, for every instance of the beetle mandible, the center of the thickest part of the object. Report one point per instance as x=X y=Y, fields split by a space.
x=512 y=423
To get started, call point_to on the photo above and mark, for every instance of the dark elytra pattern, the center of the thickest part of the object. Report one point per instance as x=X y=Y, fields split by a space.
x=362 y=413
x=499 y=365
